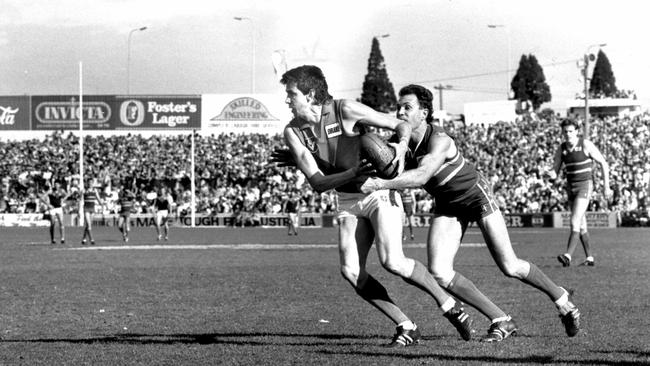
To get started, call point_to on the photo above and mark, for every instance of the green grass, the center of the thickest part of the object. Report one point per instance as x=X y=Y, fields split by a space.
x=279 y=305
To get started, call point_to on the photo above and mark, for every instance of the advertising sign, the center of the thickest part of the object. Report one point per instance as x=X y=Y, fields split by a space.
x=594 y=219
x=221 y=220
x=14 y=113
x=61 y=112
x=175 y=112
x=23 y=220
x=242 y=113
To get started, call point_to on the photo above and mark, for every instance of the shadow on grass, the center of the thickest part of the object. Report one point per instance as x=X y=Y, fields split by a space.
x=528 y=359
x=372 y=345
x=250 y=338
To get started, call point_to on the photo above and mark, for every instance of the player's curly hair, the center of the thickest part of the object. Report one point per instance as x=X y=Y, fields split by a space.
x=306 y=78
x=424 y=95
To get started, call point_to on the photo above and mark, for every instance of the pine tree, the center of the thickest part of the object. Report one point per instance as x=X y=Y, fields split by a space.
x=378 y=92
x=529 y=83
x=603 y=81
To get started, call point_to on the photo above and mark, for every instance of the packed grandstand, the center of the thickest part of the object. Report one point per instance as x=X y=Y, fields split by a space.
x=233 y=174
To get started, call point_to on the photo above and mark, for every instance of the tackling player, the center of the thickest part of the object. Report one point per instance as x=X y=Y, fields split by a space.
x=463 y=196
x=577 y=155
x=323 y=139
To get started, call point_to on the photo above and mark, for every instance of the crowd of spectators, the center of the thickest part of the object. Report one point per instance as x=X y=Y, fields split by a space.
x=233 y=175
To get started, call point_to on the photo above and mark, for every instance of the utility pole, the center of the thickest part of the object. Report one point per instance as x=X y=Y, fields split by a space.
x=440 y=88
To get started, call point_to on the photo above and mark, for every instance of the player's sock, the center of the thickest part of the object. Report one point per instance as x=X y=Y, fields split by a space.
x=584 y=239
x=572 y=243
x=422 y=279
x=540 y=281
x=376 y=294
x=563 y=304
x=448 y=305
x=465 y=290
x=407 y=325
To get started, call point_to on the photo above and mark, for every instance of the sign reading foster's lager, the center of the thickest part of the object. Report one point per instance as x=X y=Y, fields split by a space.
x=159 y=112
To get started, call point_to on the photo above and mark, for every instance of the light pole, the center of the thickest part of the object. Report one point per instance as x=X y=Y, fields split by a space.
x=128 y=58
x=253 y=50
x=585 y=73
x=507 y=29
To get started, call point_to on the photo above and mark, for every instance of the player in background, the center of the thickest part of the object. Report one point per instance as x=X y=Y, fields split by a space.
x=91 y=199
x=408 y=200
x=577 y=155
x=54 y=198
x=323 y=140
x=463 y=196
x=162 y=207
x=126 y=201
x=292 y=209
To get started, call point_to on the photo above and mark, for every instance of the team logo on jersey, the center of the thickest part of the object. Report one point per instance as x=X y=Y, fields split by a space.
x=310 y=139
x=333 y=130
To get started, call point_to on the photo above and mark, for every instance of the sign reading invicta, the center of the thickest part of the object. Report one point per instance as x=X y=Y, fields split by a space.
x=245 y=109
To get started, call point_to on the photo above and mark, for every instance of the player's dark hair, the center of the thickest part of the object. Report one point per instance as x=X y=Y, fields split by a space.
x=306 y=78
x=570 y=122
x=424 y=95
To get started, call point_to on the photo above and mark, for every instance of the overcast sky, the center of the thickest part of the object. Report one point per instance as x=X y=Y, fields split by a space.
x=196 y=47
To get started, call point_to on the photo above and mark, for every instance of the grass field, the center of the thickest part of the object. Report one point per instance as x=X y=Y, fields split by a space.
x=259 y=297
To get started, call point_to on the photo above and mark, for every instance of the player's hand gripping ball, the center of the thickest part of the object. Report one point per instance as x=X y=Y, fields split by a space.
x=379 y=154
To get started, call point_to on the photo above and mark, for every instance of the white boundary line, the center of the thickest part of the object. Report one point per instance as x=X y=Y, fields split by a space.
x=237 y=246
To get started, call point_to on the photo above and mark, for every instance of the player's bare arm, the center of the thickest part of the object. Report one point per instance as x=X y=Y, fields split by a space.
x=441 y=147
x=593 y=152
x=354 y=112
x=557 y=164
x=308 y=166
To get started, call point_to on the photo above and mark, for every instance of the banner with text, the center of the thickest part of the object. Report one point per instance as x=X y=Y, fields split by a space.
x=594 y=219
x=14 y=113
x=61 y=112
x=23 y=220
x=242 y=113
x=222 y=220
x=109 y=112
x=140 y=112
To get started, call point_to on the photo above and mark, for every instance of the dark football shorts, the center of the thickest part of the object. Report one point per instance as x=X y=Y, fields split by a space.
x=581 y=189
x=89 y=207
x=474 y=204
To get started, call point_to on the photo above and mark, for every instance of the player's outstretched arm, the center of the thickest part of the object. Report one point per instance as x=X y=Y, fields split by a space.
x=354 y=112
x=440 y=147
x=307 y=164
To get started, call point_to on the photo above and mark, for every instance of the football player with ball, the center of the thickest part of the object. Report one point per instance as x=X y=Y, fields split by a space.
x=324 y=142
x=462 y=196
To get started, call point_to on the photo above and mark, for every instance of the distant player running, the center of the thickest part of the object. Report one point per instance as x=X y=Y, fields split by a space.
x=126 y=200
x=292 y=209
x=54 y=198
x=91 y=200
x=577 y=155
x=162 y=206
